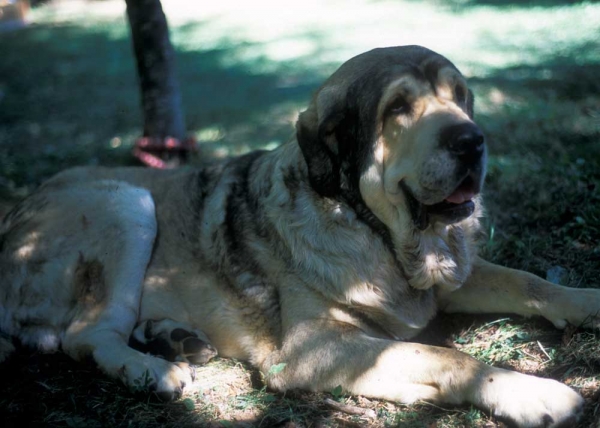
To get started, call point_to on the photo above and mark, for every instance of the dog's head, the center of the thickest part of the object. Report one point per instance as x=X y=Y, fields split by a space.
x=395 y=125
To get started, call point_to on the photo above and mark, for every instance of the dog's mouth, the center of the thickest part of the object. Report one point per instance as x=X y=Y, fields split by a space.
x=454 y=208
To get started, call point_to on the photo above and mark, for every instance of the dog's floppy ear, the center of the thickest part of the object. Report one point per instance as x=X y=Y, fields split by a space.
x=315 y=131
x=470 y=103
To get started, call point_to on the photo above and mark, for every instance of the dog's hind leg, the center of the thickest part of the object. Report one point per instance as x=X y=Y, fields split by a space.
x=102 y=332
x=73 y=263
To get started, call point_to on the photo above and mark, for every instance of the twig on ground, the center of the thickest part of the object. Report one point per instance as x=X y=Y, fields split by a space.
x=544 y=351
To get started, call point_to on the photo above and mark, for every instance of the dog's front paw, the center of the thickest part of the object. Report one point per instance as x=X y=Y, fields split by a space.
x=530 y=401
x=577 y=306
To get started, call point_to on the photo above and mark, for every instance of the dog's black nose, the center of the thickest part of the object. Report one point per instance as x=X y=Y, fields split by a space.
x=464 y=140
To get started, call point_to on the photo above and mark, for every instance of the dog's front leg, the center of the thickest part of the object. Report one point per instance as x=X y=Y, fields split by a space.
x=321 y=355
x=497 y=289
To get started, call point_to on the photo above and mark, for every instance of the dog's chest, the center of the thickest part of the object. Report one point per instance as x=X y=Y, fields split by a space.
x=351 y=266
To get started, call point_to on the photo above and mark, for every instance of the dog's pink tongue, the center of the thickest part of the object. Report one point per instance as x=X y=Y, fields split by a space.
x=459 y=196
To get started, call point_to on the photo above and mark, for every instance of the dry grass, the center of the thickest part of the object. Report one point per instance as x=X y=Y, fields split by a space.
x=52 y=390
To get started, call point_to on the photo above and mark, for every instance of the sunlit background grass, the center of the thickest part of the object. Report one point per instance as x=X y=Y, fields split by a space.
x=69 y=96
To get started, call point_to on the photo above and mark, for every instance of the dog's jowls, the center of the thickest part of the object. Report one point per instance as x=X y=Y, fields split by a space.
x=327 y=254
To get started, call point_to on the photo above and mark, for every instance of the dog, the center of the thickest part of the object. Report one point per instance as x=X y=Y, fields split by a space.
x=322 y=258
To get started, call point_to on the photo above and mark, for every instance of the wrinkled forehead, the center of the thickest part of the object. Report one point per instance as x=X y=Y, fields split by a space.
x=440 y=79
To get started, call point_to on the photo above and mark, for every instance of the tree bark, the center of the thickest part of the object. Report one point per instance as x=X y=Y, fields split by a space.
x=155 y=57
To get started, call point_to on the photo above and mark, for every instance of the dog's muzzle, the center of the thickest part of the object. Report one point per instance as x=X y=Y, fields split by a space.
x=465 y=142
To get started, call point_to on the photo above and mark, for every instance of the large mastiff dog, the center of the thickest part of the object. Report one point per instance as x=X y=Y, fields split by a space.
x=327 y=254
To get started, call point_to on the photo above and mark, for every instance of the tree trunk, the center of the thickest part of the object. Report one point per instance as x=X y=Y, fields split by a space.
x=155 y=57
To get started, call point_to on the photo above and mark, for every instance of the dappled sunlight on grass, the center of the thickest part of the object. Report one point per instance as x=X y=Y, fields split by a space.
x=331 y=32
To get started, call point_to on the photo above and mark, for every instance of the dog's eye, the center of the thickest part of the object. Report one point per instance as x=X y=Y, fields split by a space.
x=460 y=94
x=398 y=106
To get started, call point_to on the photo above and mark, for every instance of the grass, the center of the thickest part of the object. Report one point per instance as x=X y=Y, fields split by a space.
x=68 y=96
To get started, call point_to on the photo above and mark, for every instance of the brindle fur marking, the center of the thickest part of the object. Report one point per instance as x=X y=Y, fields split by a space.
x=90 y=286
